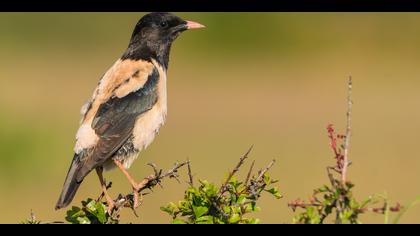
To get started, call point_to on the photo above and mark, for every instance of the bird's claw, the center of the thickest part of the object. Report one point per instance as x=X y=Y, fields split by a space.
x=111 y=206
x=136 y=197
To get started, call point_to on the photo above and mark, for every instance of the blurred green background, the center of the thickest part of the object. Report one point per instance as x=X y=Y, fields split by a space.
x=274 y=80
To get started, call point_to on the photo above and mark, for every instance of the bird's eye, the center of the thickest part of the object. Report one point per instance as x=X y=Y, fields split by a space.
x=163 y=24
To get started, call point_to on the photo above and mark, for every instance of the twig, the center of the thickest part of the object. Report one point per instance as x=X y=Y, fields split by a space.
x=382 y=210
x=147 y=183
x=348 y=133
x=301 y=204
x=258 y=182
x=190 y=177
x=249 y=173
x=333 y=181
x=233 y=172
x=218 y=209
x=155 y=179
x=262 y=172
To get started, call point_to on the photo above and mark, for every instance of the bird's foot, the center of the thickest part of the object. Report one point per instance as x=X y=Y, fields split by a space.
x=110 y=202
x=138 y=197
x=111 y=206
x=137 y=187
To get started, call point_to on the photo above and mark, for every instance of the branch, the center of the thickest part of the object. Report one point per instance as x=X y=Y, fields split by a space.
x=298 y=203
x=147 y=183
x=348 y=133
x=249 y=173
x=262 y=172
x=231 y=174
x=155 y=179
x=382 y=210
x=190 y=176
x=258 y=182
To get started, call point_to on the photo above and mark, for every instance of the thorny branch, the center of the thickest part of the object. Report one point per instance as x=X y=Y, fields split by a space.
x=127 y=201
x=233 y=172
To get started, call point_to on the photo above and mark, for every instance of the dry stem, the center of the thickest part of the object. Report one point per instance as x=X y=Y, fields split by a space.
x=348 y=133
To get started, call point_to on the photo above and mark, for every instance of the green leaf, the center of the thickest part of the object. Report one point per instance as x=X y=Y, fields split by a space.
x=328 y=209
x=345 y=216
x=349 y=185
x=83 y=220
x=253 y=221
x=275 y=192
x=73 y=214
x=234 y=218
x=297 y=219
x=178 y=221
x=199 y=211
x=233 y=198
x=241 y=199
x=313 y=215
x=248 y=208
x=235 y=209
x=233 y=181
x=353 y=204
x=205 y=220
x=254 y=206
x=101 y=212
x=266 y=179
x=91 y=206
x=324 y=189
x=184 y=206
x=170 y=208
x=227 y=209
x=328 y=202
x=210 y=190
x=338 y=192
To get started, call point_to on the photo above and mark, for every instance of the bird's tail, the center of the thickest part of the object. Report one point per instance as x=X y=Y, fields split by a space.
x=70 y=184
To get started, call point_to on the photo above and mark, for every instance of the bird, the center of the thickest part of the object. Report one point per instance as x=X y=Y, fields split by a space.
x=128 y=105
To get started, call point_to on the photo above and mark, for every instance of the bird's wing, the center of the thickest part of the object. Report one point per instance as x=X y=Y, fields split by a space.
x=115 y=118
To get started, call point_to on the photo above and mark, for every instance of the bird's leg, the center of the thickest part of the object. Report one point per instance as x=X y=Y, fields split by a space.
x=135 y=186
x=109 y=200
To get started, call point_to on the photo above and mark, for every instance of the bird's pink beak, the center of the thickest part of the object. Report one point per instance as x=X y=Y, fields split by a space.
x=194 y=25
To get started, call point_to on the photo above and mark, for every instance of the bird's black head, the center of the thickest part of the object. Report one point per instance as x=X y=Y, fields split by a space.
x=153 y=36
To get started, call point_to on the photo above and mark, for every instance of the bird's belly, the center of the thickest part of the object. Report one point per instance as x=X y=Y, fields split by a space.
x=148 y=125
x=145 y=130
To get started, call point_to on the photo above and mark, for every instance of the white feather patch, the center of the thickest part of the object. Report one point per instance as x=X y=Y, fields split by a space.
x=85 y=138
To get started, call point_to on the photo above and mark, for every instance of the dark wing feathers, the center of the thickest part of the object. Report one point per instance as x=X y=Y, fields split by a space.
x=115 y=120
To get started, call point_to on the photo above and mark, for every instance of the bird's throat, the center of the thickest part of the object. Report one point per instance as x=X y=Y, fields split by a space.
x=148 y=51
